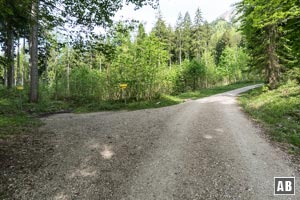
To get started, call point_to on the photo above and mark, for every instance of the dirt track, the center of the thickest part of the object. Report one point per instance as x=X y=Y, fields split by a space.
x=203 y=149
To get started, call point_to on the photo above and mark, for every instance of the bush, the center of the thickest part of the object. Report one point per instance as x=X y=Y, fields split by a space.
x=293 y=74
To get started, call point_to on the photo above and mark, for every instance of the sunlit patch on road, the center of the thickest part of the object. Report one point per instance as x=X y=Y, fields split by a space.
x=61 y=196
x=107 y=153
x=222 y=99
x=208 y=137
x=228 y=101
x=86 y=172
x=219 y=130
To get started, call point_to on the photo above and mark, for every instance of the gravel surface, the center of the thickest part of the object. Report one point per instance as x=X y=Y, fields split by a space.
x=202 y=149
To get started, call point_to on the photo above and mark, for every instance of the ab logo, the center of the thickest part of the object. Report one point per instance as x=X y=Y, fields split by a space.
x=284 y=185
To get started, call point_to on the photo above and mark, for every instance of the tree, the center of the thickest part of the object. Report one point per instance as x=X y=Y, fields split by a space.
x=194 y=71
x=269 y=20
x=34 y=76
x=179 y=37
x=206 y=38
x=160 y=28
x=83 y=13
x=12 y=20
x=166 y=35
x=233 y=62
x=160 y=31
x=171 y=45
x=186 y=39
x=198 y=44
x=221 y=45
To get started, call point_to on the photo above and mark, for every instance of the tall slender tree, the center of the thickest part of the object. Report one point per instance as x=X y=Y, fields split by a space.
x=198 y=44
x=187 y=26
x=179 y=37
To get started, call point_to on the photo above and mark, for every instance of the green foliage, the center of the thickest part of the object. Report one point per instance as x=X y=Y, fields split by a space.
x=197 y=41
x=15 y=119
x=142 y=64
x=12 y=119
x=162 y=101
x=186 y=36
x=269 y=28
x=145 y=62
x=85 y=72
x=293 y=75
x=86 y=85
x=17 y=124
x=233 y=62
x=221 y=45
x=278 y=109
x=193 y=73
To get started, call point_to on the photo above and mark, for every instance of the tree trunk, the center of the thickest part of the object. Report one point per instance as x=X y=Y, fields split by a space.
x=10 y=58
x=28 y=72
x=273 y=67
x=46 y=67
x=23 y=62
x=194 y=83
x=180 y=53
x=18 y=64
x=5 y=76
x=68 y=69
x=180 y=48
x=100 y=69
x=34 y=77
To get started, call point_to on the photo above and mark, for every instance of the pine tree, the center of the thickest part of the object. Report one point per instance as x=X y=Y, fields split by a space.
x=160 y=28
x=221 y=45
x=171 y=45
x=265 y=26
x=160 y=31
x=198 y=44
x=179 y=37
x=186 y=39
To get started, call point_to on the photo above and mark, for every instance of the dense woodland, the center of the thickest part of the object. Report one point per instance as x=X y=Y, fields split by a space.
x=52 y=49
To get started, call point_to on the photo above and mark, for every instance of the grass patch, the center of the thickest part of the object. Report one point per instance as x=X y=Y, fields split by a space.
x=278 y=109
x=19 y=117
x=17 y=124
x=212 y=91
x=164 y=100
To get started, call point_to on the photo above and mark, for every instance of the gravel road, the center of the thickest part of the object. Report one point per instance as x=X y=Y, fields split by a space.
x=202 y=149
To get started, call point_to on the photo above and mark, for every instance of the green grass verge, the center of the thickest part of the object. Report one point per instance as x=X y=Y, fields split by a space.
x=15 y=119
x=164 y=100
x=17 y=124
x=278 y=110
x=212 y=91
x=18 y=117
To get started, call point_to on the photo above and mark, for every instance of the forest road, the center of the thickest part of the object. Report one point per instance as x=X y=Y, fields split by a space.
x=201 y=149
